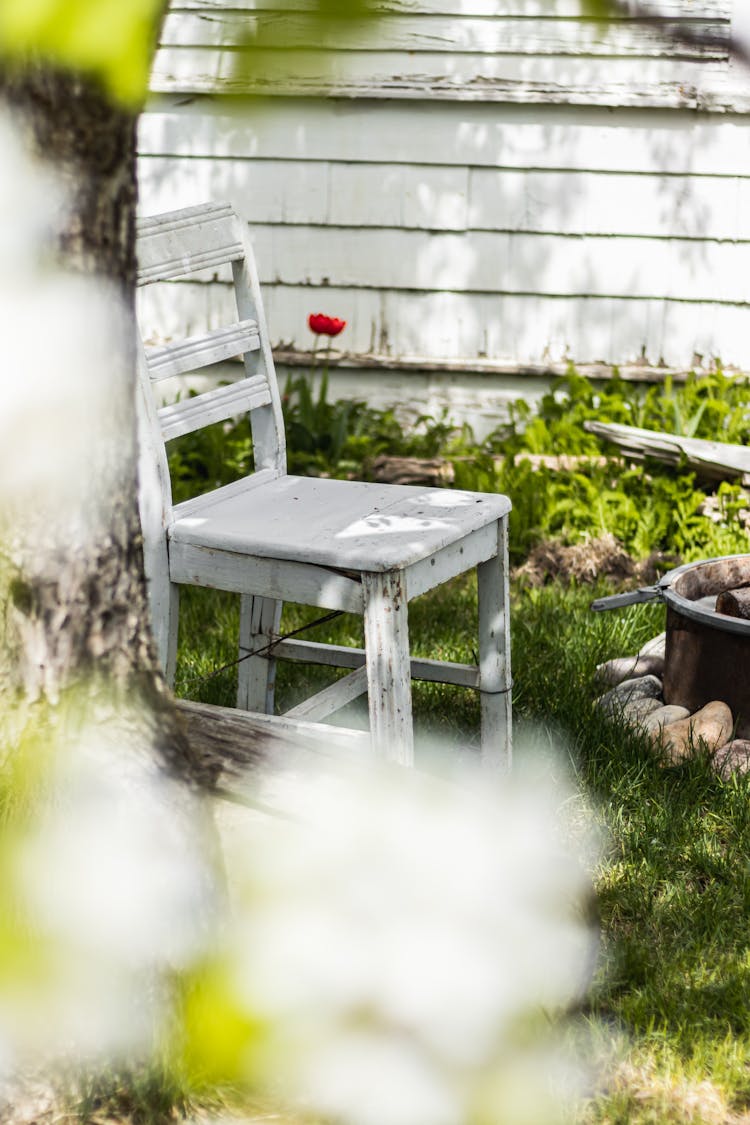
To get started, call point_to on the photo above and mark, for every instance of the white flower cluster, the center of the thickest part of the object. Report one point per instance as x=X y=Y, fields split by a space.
x=397 y=943
x=113 y=886
x=401 y=935
x=63 y=371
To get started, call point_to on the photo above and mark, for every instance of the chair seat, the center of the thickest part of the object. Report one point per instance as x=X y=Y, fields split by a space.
x=347 y=525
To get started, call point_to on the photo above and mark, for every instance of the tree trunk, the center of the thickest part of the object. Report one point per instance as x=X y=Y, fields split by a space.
x=78 y=617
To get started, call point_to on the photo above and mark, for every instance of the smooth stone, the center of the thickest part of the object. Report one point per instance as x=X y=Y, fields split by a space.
x=645 y=687
x=670 y=713
x=733 y=757
x=657 y=646
x=629 y=667
x=637 y=710
x=711 y=725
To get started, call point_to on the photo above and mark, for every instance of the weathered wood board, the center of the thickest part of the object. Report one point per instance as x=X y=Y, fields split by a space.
x=712 y=460
x=238 y=747
x=483 y=51
x=479 y=330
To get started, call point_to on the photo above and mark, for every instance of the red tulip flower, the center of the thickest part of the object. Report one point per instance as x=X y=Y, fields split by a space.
x=323 y=325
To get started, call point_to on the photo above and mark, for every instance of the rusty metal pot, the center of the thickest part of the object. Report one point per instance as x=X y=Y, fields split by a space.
x=707 y=653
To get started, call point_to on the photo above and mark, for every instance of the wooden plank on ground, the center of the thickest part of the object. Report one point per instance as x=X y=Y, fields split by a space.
x=236 y=746
x=712 y=460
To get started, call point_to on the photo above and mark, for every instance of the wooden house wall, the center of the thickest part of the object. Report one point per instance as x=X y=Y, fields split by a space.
x=474 y=185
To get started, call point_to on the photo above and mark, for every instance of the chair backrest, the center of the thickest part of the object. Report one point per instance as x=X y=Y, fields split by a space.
x=189 y=241
x=176 y=245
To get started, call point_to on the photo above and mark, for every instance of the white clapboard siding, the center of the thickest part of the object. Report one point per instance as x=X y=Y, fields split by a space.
x=607 y=203
x=607 y=81
x=484 y=51
x=500 y=262
x=564 y=9
x=449 y=236
x=433 y=34
x=172 y=311
x=490 y=182
x=475 y=135
x=433 y=198
x=520 y=330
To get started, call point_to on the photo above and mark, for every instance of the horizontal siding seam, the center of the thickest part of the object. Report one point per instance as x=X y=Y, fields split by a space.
x=521 y=232
x=535 y=169
x=323 y=290
x=215 y=104
x=713 y=57
x=352 y=362
x=619 y=19
x=670 y=95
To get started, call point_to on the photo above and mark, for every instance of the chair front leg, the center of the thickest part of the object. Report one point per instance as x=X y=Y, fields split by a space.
x=260 y=619
x=388 y=666
x=172 y=632
x=165 y=612
x=494 y=655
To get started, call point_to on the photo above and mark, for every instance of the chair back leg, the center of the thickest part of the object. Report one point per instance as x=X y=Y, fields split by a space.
x=388 y=666
x=494 y=655
x=260 y=619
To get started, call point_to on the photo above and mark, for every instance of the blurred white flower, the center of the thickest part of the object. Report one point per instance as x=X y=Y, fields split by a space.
x=400 y=934
x=113 y=881
x=33 y=203
x=114 y=865
x=66 y=342
x=106 y=884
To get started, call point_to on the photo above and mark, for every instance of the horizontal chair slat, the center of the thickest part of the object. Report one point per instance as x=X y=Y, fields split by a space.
x=344 y=656
x=186 y=241
x=201 y=351
x=214 y=406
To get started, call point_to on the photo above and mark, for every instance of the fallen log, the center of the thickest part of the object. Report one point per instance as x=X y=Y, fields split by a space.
x=734 y=603
x=435 y=472
x=239 y=747
x=711 y=460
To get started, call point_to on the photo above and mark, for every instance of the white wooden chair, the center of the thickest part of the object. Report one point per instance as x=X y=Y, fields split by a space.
x=342 y=545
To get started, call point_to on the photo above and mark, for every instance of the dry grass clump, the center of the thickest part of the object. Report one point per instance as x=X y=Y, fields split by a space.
x=638 y=1092
x=585 y=563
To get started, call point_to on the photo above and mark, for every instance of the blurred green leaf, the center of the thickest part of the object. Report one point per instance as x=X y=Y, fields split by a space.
x=114 y=40
x=280 y=49
x=109 y=39
x=600 y=10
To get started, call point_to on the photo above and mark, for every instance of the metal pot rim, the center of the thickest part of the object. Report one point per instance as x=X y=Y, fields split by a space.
x=696 y=612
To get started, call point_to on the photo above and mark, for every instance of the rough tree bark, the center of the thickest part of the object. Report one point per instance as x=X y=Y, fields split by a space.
x=78 y=617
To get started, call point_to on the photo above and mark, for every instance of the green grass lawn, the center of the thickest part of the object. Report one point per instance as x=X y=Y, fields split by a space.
x=669 y=1001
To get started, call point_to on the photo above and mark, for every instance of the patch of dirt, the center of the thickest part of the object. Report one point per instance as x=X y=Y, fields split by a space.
x=604 y=557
